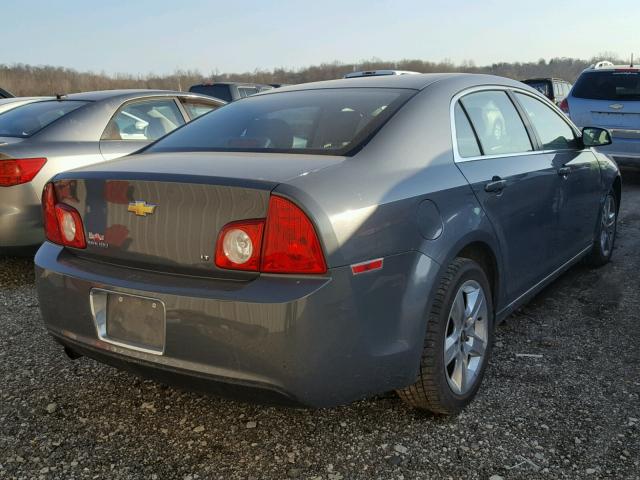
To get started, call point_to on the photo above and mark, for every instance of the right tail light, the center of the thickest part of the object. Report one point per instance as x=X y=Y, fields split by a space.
x=62 y=223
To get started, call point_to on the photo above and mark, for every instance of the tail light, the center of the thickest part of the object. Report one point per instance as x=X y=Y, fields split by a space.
x=291 y=244
x=286 y=242
x=16 y=171
x=564 y=106
x=239 y=245
x=62 y=223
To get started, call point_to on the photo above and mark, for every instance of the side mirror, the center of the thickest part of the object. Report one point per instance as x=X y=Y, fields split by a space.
x=595 y=137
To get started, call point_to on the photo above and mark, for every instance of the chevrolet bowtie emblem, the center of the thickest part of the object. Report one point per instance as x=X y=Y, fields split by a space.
x=616 y=106
x=142 y=209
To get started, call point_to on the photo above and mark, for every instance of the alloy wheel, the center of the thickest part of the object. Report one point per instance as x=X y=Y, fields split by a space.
x=608 y=225
x=466 y=337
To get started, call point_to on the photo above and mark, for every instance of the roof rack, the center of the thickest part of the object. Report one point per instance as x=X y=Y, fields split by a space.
x=602 y=64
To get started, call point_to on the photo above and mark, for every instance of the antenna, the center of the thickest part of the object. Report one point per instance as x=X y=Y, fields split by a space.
x=631 y=64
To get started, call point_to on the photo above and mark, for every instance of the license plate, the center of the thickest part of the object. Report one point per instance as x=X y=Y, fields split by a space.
x=130 y=320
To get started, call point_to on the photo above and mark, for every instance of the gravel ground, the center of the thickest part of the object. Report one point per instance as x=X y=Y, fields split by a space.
x=572 y=410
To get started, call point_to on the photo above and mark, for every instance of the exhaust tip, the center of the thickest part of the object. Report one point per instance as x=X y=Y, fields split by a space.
x=71 y=354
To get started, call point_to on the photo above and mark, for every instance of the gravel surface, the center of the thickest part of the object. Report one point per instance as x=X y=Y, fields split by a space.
x=561 y=400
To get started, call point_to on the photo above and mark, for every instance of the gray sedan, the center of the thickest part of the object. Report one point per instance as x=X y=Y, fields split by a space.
x=45 y=136
x=325 y=242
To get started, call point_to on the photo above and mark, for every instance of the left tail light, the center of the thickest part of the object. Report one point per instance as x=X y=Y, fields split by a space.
x=62 y=223
x=285 y=242
x=15 y=171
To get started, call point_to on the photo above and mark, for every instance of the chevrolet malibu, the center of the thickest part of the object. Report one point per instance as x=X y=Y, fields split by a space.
x=325 y=242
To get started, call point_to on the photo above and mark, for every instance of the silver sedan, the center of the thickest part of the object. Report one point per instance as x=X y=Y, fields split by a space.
x=46 y=136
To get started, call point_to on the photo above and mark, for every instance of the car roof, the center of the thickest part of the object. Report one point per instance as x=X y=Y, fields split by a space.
x=538 y=79
x=241 y=84
x=411 y=82
x=609 y=66
x=127 y=94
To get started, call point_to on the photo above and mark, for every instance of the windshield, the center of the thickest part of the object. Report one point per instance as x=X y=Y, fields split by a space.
x=25 y=120
x=611 y=85
x=328 y=121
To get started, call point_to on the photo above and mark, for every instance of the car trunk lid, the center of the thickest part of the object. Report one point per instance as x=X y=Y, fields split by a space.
x=164 y=211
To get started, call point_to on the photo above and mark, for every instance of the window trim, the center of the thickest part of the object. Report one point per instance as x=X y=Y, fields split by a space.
x=532 y=134
x=185 y=118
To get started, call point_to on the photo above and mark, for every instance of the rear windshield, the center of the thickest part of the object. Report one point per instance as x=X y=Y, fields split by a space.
x=28 y=119
x=541 y=85
x=223 y=92
x=616 y=85
x=328 y=121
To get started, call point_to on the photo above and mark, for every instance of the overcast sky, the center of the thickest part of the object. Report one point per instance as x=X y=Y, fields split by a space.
x=159 y=36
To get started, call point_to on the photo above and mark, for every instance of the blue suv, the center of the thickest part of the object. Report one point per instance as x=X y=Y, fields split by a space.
x=608 y=96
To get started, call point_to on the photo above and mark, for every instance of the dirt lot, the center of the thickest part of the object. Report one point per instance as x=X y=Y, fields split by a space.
x=570 y=411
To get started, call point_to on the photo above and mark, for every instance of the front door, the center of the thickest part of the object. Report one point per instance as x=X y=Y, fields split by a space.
x=579 y=175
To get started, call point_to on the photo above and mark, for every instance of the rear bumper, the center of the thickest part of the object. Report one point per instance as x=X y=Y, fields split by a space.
x=20 y=217
x=625 y=151
x=312 y=341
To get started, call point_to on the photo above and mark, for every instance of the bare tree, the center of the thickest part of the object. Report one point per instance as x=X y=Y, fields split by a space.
x=24 y=79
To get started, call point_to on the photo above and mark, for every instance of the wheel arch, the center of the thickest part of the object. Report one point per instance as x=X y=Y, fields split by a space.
x=481 y=253
x=617 y=190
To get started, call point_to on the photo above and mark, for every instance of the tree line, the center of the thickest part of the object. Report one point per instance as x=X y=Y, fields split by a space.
x=26 y=80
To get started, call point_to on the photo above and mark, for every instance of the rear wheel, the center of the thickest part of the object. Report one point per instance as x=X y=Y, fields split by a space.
x=457 y=343
x=606 y=235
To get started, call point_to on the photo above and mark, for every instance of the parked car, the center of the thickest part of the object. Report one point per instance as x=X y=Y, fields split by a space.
x=377 y=73
x=328 y=241
x=47 y=136
x=7 y=104
x=5 y=94
x=608 y=96
x=229 y=91
x=555 y=89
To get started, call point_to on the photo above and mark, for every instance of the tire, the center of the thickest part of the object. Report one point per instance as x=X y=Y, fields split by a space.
x=438 y=388
x=604 y=242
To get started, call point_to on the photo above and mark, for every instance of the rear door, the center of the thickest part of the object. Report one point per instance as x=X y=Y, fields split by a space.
x=517 y=186
x=579 y=175
x=138 y=123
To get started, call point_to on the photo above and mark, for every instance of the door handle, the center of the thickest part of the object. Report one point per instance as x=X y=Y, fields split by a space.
x=496 y=185
x=564 y=171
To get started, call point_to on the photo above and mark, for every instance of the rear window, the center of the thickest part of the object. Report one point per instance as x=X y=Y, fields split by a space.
x=541 y=85
x=29 y=119
x=610 y=85
x=223 y=92
x=330 y=121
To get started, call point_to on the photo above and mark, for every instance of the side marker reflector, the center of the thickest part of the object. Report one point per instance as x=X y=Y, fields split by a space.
x=368 y=266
